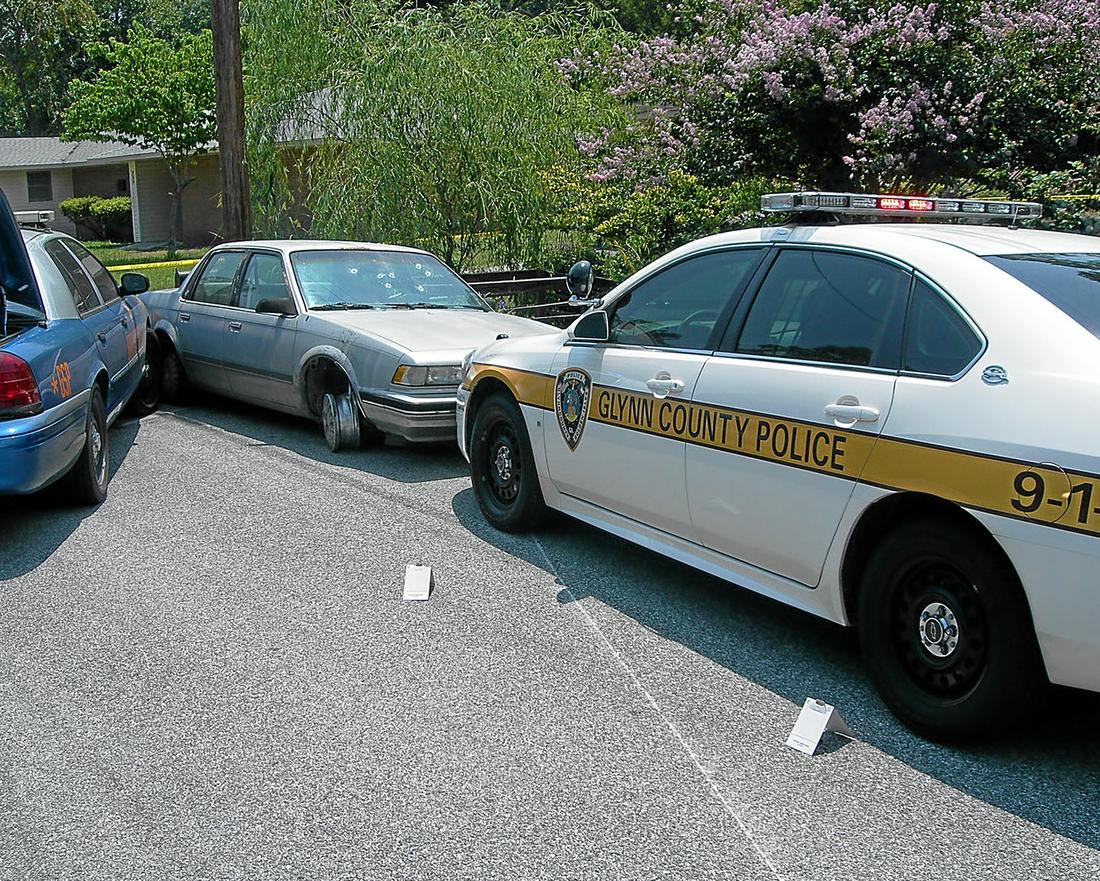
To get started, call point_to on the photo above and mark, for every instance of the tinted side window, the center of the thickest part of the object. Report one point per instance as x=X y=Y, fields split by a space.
x=828 y=307
x=84 y=293
x=263 y=279
x=103 y=279
x=215 y=285
x=938 y=340
x=678 y=307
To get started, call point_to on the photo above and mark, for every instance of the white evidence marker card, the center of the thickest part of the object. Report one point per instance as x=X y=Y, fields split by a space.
x=418 y=582
x=816 y=718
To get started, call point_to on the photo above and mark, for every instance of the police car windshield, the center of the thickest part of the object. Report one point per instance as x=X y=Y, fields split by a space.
x=349 y=278
x=1069 y=281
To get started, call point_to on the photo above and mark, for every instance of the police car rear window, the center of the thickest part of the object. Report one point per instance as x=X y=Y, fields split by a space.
x=1069 y=281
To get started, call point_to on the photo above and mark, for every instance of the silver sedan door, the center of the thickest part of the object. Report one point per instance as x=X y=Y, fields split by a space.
x=259 y=351
x=201 y=321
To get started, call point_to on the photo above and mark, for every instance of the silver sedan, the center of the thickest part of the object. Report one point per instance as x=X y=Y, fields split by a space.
x=361 y=337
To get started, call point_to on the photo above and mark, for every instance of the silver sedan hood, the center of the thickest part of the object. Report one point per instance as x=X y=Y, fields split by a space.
x=433 y=330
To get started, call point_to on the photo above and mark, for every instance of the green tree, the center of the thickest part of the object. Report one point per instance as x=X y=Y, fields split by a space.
x=39 y=49
x=42 y=49
x=165 y=18
x=153 y=94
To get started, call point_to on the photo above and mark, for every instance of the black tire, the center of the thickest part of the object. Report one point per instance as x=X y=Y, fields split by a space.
x=502 y=467
x=340 y=422
x=946 y=632
x=174 y=387
x=146 y=398
x=86 y=482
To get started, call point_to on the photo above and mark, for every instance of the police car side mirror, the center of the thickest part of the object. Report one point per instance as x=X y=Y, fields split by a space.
x=133 y=283
x=592 y=327
x=579 y=280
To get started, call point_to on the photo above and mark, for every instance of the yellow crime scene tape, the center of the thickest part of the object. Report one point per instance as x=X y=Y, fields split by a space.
x=169 y=264
x=1039 y=493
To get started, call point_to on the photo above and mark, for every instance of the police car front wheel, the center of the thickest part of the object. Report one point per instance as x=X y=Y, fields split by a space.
x=945 y=631
x=503 y=468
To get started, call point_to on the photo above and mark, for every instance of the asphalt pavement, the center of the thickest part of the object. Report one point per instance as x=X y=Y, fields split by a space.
x=213 y=675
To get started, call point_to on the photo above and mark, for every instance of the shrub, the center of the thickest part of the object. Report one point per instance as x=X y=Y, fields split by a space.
x=79 y=210
x=106 y=218
x=110 y=211
x=627 y=226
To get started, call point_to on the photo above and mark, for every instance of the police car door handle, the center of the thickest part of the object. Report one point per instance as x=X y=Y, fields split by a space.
x=664 y=384
x=852 y=413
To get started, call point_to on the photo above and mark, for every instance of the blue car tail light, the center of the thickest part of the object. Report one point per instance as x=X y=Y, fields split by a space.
x=18 y=390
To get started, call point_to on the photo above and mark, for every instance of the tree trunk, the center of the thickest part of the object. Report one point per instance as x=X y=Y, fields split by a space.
x=178 y=171
x=229 y=86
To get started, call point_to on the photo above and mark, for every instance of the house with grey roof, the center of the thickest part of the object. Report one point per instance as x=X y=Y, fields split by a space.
x=39 y=173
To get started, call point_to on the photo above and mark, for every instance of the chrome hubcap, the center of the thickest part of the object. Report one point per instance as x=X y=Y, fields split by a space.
x=938 y=630
x=100 y=460
x=502 y=467
x=503 y=462
x=328 y=417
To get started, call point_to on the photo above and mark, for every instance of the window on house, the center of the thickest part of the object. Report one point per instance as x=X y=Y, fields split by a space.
x=39 y=186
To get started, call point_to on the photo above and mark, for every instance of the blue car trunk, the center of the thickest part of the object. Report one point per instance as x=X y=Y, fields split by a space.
x=19 y=292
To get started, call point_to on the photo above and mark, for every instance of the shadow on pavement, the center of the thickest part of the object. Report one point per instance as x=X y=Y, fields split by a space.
x=1046 y=771
x=33 y=527
x=414 y=463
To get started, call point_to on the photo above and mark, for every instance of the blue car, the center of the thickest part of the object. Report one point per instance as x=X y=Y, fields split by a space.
x=74 y=351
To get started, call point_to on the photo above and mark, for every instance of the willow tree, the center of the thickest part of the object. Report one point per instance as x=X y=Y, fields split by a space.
x=433 y=127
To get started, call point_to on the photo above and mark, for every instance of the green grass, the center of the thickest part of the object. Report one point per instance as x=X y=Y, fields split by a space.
x=113 y=254
x=159 y=279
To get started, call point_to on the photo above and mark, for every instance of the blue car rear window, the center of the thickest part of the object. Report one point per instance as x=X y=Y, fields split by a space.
x=1069 y=281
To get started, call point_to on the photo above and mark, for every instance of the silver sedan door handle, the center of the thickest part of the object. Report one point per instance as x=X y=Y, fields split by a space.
x=235 y=327
x=663 y=384
x=851 y=413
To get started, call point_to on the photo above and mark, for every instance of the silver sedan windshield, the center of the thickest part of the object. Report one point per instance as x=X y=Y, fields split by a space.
x=349 y=279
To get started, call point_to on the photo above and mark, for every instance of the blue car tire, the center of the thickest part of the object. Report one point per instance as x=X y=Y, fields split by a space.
x=86 y=482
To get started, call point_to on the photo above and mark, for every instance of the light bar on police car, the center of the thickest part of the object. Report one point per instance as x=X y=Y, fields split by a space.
x=870 y=205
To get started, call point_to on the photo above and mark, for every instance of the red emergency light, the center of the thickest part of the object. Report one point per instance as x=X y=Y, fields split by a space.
x=892 y=207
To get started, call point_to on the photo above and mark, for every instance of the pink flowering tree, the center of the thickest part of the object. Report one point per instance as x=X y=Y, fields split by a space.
x=840 y=93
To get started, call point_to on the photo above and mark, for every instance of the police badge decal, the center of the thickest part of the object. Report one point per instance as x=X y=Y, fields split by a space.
x=572 y=392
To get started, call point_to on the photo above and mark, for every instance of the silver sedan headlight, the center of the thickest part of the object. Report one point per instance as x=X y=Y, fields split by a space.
x=436 y=374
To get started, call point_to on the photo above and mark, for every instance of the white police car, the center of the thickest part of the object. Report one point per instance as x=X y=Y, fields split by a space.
x=889 y=425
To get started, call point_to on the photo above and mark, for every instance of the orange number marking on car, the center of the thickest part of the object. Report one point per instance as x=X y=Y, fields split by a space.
x=62 y=382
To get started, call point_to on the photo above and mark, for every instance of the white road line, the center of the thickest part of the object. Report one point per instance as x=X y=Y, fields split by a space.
x=593 y=625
